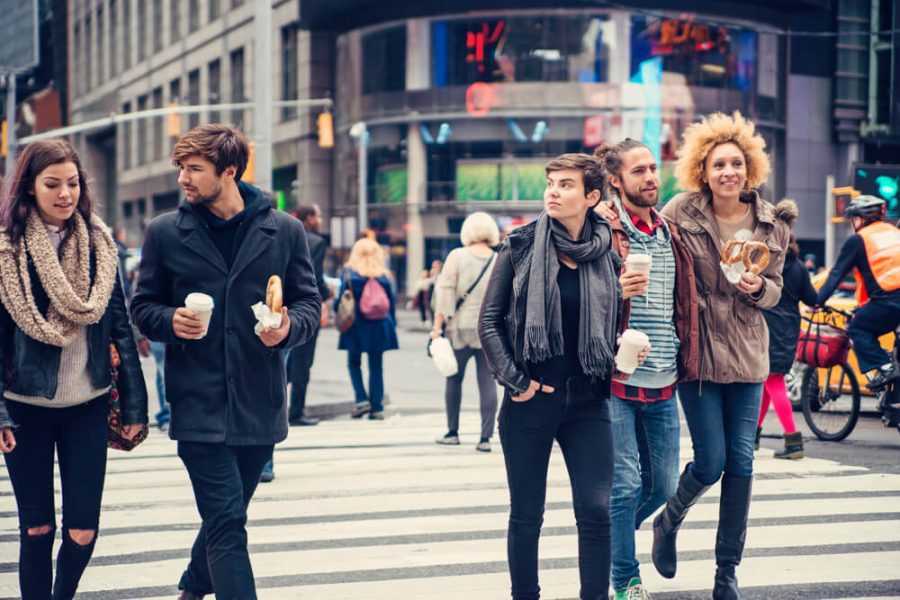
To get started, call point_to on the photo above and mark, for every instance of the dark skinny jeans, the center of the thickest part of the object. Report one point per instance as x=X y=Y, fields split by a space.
x=77 y=436
x=579 y=421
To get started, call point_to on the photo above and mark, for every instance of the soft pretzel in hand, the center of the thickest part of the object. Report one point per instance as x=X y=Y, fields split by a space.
x=731 y=253
x=274 y=297
x=755 y=256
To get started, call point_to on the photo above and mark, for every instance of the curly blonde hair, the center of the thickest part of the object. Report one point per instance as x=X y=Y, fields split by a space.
x=700 y=138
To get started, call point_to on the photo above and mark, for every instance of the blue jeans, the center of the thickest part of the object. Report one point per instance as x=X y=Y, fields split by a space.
x=722 y=420
x=376 y=379
x=645 y=475
x=158 y=349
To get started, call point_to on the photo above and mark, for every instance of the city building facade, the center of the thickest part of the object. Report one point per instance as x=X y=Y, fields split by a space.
x=458 y=105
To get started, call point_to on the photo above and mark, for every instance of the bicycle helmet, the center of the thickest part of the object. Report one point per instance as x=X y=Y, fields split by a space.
x=870 y=208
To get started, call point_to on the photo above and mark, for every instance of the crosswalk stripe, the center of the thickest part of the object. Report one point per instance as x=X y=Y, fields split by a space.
x=377 y=510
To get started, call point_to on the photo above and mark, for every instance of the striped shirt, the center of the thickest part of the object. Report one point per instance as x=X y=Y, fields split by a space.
x=654 y=312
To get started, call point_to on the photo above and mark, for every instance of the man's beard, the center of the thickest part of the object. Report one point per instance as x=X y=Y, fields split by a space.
x=210 y=199
x=639 y=200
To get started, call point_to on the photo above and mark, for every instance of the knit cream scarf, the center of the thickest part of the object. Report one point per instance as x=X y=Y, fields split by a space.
x=66 y=277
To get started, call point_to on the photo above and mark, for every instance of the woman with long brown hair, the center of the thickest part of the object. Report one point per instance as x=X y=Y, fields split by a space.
x=62 y=307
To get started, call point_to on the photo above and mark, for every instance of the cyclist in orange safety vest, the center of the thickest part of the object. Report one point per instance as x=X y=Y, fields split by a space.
x=873 y=254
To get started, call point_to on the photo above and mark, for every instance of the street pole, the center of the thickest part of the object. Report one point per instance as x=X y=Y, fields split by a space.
x=10 y=164
x=262 y=83
x=829 y=221
x=361 y=133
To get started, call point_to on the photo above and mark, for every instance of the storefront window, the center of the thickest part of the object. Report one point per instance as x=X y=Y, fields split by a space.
x=384 y=60
x=532 y=48
x=695 y=53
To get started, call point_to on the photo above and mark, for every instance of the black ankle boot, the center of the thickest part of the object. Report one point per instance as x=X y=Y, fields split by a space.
x=734 y=508
x=667 y=523
x=726 y=587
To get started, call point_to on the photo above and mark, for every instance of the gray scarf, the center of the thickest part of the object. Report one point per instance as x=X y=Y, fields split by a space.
x=599 y=291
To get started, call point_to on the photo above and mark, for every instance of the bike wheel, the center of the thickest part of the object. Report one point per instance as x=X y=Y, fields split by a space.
x=831 y=411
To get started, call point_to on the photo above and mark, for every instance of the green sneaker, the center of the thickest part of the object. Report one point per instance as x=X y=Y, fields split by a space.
x=634 y=591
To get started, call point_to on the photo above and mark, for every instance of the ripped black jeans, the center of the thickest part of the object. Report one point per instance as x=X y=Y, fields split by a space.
x=77 y=436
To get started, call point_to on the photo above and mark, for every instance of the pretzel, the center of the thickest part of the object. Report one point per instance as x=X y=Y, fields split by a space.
x=274 y=298
x=732 y=251
x=755 y=256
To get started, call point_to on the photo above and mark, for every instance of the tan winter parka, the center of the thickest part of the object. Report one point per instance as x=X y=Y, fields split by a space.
x=734 y=338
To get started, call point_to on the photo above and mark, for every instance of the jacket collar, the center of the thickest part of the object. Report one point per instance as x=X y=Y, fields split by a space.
x=261 y=230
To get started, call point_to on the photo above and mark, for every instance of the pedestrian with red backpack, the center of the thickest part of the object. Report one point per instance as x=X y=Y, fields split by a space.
x=366 y=318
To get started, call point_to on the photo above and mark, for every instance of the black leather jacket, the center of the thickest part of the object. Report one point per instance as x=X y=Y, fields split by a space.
x=501 y=325
x=31 y=368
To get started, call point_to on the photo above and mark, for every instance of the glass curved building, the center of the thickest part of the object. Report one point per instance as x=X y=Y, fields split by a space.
x=462 y=108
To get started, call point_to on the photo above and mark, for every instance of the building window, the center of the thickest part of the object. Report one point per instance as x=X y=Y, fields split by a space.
x=174 y=20
x=142 y=132
x=101 y=55
x=126 y=138
x=175 y=98
x=193 y=15
x=544 y=48
x=114 y=30
x=158 y=125
x=157 y=25
x=384 y=61
x=698 y=54
x=126 y=33
x=236 y=3
x=193 y=98
x=88 y=58
x=214 y=89
x=289 y=87
x=236 y=58
x=141 y=32
x=214 y=10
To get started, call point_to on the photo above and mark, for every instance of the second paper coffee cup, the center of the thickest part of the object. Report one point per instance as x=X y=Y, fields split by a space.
x=631 y=344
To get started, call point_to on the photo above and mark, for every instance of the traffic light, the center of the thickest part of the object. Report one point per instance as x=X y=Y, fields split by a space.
x=249 y=175
x=325 y=127
x=882 y=181
x=4 y=140
x=173 y=122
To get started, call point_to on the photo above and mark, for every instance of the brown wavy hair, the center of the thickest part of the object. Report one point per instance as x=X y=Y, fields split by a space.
x=18 y=204
x=221 y=145
x=700 y=138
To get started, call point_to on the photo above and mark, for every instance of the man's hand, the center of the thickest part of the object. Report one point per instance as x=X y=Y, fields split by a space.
x=634 y=283
x=750 y=283
x=186 y=324
x=605 y=209
x=533 y=388
x=143 y=346
x=273 y=337
x=7 y=440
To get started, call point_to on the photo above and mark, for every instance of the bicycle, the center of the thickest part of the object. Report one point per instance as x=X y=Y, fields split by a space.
x=830 y=390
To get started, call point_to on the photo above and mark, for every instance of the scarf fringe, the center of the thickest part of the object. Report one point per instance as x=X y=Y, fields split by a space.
x=540 y=346
x=595 y=358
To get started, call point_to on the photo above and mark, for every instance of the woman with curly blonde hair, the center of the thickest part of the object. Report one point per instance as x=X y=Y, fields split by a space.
x=738 y=245
x=374 y=331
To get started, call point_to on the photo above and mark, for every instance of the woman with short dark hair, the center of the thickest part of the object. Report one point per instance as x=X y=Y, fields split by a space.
x=548 y=328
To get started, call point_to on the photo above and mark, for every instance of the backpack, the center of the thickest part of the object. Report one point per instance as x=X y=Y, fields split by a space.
x=374 y=303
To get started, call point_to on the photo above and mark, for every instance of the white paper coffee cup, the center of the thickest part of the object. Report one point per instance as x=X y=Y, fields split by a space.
x=631 y=344
x=640 y=263
x=203 y=305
